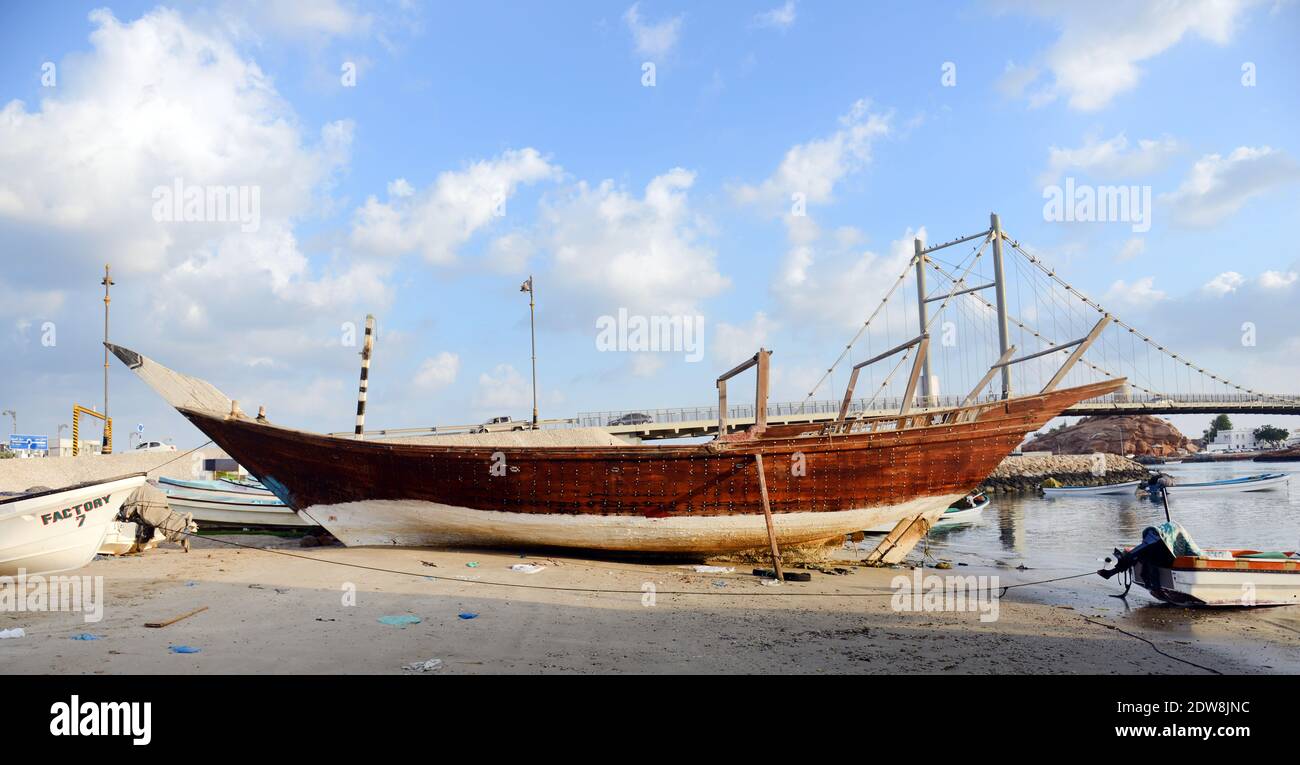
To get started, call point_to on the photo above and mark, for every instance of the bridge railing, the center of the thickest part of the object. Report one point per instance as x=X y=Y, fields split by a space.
x=829 y=407
x=775 y=411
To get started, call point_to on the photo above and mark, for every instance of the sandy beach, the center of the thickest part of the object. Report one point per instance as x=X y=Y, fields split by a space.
x=268 y=613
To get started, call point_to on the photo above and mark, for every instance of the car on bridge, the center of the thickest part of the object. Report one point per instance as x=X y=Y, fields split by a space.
x=632 y=418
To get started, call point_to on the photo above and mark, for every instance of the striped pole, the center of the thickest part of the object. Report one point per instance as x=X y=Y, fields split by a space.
x=366 y=348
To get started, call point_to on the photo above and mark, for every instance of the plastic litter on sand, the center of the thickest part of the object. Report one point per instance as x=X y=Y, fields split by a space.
x=400 y=620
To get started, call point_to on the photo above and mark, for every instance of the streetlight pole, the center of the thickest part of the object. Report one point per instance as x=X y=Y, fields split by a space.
x=13 y=415
x=107 y=282
x=532 y=333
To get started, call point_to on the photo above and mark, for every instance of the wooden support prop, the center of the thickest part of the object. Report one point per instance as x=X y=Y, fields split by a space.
x=919 y=364
x=174 y=619
x=900 y=541
x=1078 y=353
x=988 y=376
x=767 y=515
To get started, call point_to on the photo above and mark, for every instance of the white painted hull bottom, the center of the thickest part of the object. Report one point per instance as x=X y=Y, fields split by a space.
x=230 y=514
x=32 y=540
x=1222 y=588
x=412 y=523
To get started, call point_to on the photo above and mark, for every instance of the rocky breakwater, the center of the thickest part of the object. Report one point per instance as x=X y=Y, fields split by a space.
x=1026 y=474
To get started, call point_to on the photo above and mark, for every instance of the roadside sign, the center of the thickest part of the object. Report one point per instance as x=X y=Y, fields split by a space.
x=22 y=442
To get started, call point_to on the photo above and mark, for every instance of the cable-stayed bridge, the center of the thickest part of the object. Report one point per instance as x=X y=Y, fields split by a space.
x=991 y=323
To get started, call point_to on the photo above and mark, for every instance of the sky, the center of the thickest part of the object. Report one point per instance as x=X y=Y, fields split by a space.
x=755 y=170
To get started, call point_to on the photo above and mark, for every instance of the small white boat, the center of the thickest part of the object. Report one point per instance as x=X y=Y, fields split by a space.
x=1261 y=482
x=1238 y=578
x=60 y=529
x=966 y=510
x=1170 y=566
x=231 y=510
x=222 y=486
x=1128 y=487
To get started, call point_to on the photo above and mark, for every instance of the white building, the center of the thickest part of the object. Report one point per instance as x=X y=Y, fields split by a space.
x=1236 y=439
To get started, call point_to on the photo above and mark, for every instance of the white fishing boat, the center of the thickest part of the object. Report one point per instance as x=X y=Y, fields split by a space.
x=60 y=529
x=1238 y=578
x=966 y=510
x=231 y=510
x=1261 y=482
x=1170 y=566
x=220 y=486
x=1128 y=487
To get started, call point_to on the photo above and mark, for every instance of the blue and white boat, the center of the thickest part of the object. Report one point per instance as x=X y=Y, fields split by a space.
x=1261 y=482
x=1128 y=487
x=214 y=506
x=965 y=511
x=219 y=486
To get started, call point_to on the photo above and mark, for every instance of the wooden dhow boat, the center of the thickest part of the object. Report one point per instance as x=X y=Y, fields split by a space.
x=822 y=480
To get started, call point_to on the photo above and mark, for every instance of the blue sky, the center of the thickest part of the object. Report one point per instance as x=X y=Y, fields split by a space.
x=671 y=199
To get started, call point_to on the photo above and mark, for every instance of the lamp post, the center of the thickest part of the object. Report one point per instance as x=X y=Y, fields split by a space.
x=532 y=333
x=13 y=415
x=107 y=282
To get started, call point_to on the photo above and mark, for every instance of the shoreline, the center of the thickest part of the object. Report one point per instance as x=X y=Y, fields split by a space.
x=275 y=614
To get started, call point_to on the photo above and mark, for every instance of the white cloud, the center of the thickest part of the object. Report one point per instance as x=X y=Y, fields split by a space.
x=1277 y=280
x=646 y=364
x=437 y=372
x=781 y=17
x=1132 y=249
x=817 y=280
x=652 y=39
x=1217 y=186
x=1226 y=282
x=503 y=389
x=152 y=103
x=1139 y=294
x=734 y=343
x=816 y=167
x=438 y=220
x=611 y=249
x=1111 y=159
x=510 y=253
x=328 y=18
x=1102 y=42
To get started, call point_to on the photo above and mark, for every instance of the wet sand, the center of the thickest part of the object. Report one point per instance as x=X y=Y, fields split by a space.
x=272 y=614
